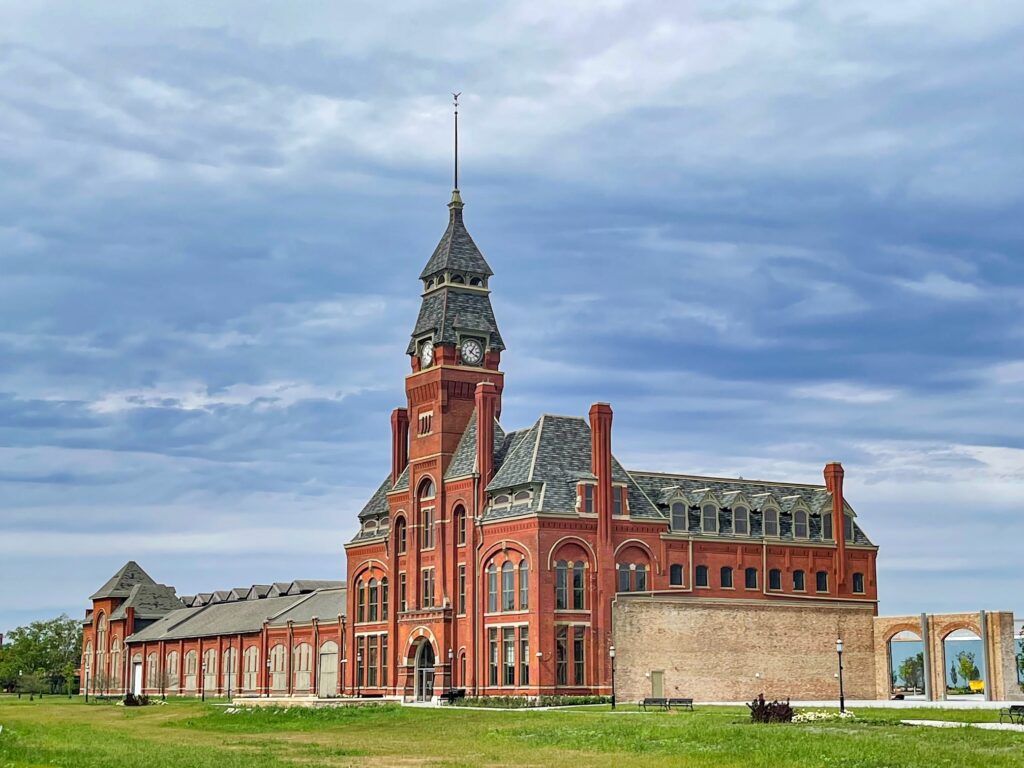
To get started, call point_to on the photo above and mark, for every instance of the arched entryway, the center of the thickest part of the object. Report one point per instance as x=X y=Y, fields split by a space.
x=906 y=665
x=424 y=671
x=964 y=664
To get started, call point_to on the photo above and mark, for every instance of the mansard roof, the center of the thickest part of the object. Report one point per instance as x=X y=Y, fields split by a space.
x=450 y=310
x=245 y=616
x=463 y=461
x=121 y=583
x=456 y=251
x=150 y=601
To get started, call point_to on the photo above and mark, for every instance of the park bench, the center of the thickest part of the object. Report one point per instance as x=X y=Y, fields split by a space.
x=681 y=704
x=452 y=694
x=654 y=702
x=1015 y=714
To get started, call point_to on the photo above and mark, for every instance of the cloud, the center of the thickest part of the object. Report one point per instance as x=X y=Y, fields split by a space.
x=940 y=286
x=844 y=392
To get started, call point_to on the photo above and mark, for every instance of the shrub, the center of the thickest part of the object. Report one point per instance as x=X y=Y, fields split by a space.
x=131 y=700
x=762 y=711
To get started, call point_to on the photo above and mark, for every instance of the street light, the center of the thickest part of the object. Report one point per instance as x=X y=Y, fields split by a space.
x=842 y=697
x=228 y=672
x=611 y=655
x=203 y=693
x=451 y=669
x=359 y=673
x=268 y=678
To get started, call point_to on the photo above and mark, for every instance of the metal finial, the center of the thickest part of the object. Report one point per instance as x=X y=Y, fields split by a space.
x=456 y=104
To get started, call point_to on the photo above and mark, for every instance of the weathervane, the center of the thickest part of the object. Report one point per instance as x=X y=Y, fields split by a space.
x=456 y=104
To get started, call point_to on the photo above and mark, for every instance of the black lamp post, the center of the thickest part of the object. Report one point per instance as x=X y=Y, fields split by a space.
x=359 y=673
x=842 y=697
x=229 y=671
x=268 y=678
x=451 y=669
x=87 y=682
x=611 y=655
x=203 y=693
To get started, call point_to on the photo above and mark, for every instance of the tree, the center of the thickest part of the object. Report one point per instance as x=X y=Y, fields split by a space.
x=968 y=669
x=50 y=650
x=952 y=674
x=912 y=671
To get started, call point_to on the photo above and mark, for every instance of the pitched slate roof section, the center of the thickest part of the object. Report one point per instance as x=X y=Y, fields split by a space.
x=121 y=583
x=378 y=503
x=447 y=311
x=324 y=604
x=150 y=601
x=456 y=250
x=463 y=461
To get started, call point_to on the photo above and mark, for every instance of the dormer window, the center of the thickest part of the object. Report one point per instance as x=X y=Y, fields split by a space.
x=588 y=499
x=771 y=522
x=521 y=496
x=826 y=526
x=709 y=518
x=619 y=501
x=679 y=516
x=847 y=527
x=502 y=500
x=741 y=521
x=799 y=524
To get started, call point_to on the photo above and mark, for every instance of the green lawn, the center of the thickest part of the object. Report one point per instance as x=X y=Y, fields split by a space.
x=189 y=734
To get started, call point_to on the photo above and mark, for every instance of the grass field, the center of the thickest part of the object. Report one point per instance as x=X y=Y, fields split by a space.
x=189 y=734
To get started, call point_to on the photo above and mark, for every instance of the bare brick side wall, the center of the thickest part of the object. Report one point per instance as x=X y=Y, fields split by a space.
x=731 y=651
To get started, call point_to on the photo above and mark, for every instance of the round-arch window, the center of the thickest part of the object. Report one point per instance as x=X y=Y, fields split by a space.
x=426 y=489
x=476 y=281
x=458 y=279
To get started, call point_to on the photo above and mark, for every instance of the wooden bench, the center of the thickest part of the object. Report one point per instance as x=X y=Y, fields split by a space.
x=681 y=704
x=452 y=694
x=654 y=702
x=1014 y=714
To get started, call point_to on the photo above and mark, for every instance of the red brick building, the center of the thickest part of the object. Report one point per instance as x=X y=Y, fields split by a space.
x=488 y=560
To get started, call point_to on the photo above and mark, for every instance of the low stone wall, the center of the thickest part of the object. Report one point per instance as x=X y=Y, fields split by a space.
x=731 y=650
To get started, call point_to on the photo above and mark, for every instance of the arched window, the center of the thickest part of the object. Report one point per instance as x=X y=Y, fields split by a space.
x=800 y=524
x=460 y=525
x=775 y=579
x=426 y=489
x=750 y=578
x=821 y=581
x=250 y=667
x=302 y=663
x=726 y=577
x=702 y=576
x=210 y=669
x=278 y=662
x=372 y=600
x=400 y=536
x=384 y=599
x=191 y=670
x=492 y=588
x=741 y=521
x=826 y=526
x=679 y=517
x=858 y=583
x=709 y=518
x=524 y=585
x=561 y=585
x=231 y=669
x=799 y=581
x=508 y=586
x=152 y=675
x=771 y=522
x=115 y=660
x=578 y=592
x=458 y=279
x=101 y=637
x=675 y=575
x=476 y=281
x=172 y=670
x=360 y=601
x=88 y=665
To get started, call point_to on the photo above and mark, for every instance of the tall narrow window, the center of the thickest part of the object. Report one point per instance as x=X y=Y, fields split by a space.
x=679 y=515
x=361 y=661
x=561 y=655
x=462 y=588
x=561 y=586
x=741 y=521
x=460 y=525
x=623 y=572
x=709 y=518
x=508 y=586
x=771 y=522
x=775 y=579
x=372 y=598
x=403 y=604
x=427 y=597
x=578 y=657
x=524 y=585
x=847 y=527
x=750 y=578
x=384 y=661
x=675 y=575
x=826 y=526
x=799 y=581
x=588 y=498
x=821 y=581
x=617 y=505
x=858 y=583
x=800 y=524
x=400 y=536
x=726 y=577
x=427 y=528
x=492 y=656
x=524 y=655
x=577 y=587
x=508 y=642
x=702 y=576
x=384 y=599
x=492 y=588
x=371 y=661
x=641 y=578
x=361 y=601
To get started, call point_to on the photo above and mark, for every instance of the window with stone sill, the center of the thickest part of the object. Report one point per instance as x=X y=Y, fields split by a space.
x=701 y=577
x=858 y=583
x=726 y=577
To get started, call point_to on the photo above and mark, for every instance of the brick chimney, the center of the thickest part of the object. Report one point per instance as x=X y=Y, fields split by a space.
x=601 y=465
x=399 y=442
x=834 y=474
x=486 y=409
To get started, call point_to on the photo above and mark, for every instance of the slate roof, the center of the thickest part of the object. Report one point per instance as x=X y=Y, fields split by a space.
x=121 y=583
x=463 y=461
x=242 y=616
x=446 y=311
x=150 y=601
x=378 y=503
x=456 y=251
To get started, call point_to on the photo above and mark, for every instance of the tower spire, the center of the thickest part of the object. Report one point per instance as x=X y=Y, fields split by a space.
x=455 y=188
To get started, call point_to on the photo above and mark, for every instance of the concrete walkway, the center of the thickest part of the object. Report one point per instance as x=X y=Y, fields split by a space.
x=950 y=724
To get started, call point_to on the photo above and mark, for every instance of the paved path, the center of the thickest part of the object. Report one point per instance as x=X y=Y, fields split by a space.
x=950 y=724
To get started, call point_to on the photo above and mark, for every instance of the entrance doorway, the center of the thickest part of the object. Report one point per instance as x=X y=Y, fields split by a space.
x=657 y=684
x=137 y=678
x=425 y=671
x=327 y=672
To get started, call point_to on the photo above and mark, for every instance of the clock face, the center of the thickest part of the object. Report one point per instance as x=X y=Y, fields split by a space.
x=472 y=352
x=427 y=353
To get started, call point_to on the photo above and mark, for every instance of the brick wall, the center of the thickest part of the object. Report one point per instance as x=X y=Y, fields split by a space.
x=732 y=650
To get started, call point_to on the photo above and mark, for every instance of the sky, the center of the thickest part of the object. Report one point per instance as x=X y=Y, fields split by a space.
x=771 y=234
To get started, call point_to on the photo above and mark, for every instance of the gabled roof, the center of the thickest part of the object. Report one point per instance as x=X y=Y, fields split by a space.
x=150 y=601
x=121 y=583
x=456 y=251
x=463 y=461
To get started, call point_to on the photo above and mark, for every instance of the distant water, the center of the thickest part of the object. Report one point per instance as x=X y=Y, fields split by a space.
x=904 y=649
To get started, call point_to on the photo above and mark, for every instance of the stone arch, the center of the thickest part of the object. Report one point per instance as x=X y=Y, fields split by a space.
x=503 y=546
x=582 y=544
